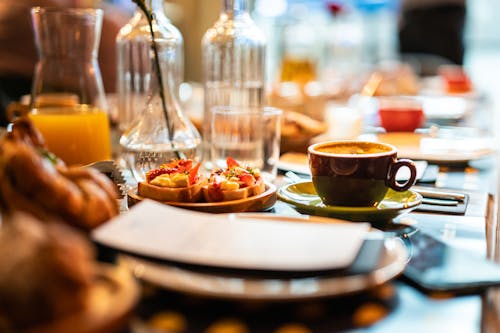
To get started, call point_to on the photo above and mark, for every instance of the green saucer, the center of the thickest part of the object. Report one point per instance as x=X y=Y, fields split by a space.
x=302 y=196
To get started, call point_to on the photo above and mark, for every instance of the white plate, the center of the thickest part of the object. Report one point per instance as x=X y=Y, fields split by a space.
x=445 y=107
x=433 y=86
x=437 y=108
x=436 y=149
x=201 y=283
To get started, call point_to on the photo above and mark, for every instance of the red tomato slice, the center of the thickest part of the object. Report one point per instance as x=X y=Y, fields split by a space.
x=247 y=179
x=231 y=162
x=193 y=174
x=152 y=174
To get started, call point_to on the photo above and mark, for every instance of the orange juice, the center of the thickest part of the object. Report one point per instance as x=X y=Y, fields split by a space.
x=78 y=134
x=297 y=70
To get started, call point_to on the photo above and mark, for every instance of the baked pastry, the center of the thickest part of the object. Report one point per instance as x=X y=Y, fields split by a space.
x=392 y=80
x=37 y=182
x=45 y=279
x=233 y=183
x=178 y=181
x=297 y=130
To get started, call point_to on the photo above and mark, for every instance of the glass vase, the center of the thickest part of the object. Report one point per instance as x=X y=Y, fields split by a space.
x=159 y=131
x=133 y=44
x=233 y=55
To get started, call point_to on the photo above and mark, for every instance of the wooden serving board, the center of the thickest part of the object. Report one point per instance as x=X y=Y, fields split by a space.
x=256 y=203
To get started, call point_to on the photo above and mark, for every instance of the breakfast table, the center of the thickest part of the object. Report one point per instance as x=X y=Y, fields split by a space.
x=402 y=303
x=388 y=307
x=426 y=258
x=398 y=304
x=424 y=268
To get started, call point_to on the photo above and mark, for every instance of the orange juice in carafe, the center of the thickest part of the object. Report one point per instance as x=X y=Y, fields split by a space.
x=78 y=134
x=67 y=96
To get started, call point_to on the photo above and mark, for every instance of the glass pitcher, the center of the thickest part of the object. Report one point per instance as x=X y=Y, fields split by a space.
x=68 y=103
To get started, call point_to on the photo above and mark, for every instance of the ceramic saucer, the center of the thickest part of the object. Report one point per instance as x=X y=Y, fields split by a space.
x=302 y=196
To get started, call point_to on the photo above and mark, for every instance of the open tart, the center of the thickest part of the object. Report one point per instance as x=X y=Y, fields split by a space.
x=233 y=183
x=177 y=181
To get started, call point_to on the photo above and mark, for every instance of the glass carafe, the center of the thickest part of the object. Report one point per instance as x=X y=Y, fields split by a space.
x=159 y=130
x=233 y=53
x=68 y=104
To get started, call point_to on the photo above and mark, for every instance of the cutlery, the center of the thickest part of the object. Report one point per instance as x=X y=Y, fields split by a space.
x=293 y=177
x=439 y=194
x=439 y=202
x=110 y=169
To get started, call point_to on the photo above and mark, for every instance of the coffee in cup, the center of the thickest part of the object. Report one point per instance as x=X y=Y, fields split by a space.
x=356 y=173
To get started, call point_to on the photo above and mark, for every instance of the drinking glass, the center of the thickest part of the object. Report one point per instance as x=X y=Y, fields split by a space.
x=68 y=104
x=251 y=136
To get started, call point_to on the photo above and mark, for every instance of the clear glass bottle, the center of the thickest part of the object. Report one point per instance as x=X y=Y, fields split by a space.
x=159 y=130
x=379 y=29
x=343 y=45
x=233 y=54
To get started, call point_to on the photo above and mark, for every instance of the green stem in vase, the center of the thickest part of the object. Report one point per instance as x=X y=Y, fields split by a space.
x=150 y=17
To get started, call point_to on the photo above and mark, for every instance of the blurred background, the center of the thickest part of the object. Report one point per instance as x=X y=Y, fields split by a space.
x=339 y=42
x=322 y=54
x=329 y=49
x=330 y=21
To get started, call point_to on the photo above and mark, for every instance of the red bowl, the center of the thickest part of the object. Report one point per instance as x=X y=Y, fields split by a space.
x=400 y=114
x=455 y=79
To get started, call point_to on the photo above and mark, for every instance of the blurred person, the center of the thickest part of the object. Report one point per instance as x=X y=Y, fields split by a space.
x=18 y=54
x=434 y=28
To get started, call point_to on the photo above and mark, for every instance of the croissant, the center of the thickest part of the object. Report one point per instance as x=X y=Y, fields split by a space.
x=37 y=182
x=46 y=278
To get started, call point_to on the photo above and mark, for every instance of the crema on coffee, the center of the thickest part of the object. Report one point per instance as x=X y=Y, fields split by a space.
x=354 y=148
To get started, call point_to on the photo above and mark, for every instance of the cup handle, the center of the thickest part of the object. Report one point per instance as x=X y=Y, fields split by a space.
x=394 y=170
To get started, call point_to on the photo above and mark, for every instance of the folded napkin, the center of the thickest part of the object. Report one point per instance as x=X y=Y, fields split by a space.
x=239 y=241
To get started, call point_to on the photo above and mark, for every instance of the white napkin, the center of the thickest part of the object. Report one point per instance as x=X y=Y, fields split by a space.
x=231 y=240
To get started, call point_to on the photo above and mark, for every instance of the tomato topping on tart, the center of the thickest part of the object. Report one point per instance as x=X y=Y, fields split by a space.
x=178 y=180
x=178 y=173
x=234 y=182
